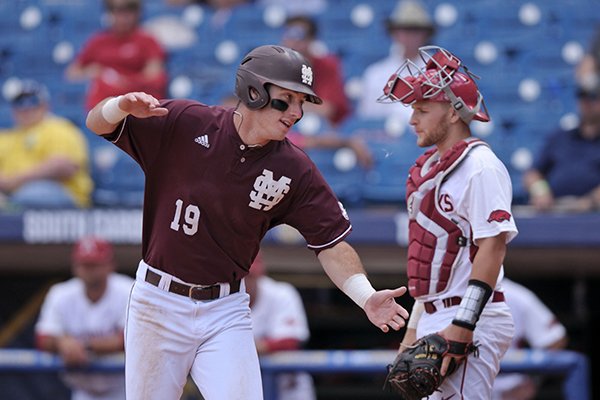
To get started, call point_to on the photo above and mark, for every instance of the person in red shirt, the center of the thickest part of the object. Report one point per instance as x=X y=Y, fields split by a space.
x=300 y=34
x=122 y=58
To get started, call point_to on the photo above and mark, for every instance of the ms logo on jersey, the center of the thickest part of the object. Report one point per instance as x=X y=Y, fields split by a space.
x=307 y=75
x=267 y=191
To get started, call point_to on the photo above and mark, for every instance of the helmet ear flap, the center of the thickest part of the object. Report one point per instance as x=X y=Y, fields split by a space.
x=245 y=82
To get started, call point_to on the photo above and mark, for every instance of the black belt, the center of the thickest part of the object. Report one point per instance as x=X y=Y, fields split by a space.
x=194 y=292
x=430 y=308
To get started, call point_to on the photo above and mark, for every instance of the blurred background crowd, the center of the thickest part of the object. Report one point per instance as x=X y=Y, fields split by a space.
x=537 y=61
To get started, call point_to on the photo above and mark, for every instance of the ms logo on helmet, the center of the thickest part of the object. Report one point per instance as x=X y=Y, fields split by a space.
x=307 y=75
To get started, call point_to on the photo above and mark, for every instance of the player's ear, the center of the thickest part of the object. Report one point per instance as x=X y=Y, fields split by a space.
x=453 y=114
x=253 y=94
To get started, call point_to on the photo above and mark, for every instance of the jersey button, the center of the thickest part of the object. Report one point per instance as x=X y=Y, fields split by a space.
x=242 y=147
x=243 y=159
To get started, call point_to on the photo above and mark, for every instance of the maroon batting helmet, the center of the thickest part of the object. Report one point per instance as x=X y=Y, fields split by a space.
x=440 y=80
x=275 y=65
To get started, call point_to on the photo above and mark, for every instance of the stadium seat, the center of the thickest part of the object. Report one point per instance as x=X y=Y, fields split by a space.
x=340 y=170
x=119 y=180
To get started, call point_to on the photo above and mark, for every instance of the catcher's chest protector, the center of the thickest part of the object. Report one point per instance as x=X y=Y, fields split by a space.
x=435 y=241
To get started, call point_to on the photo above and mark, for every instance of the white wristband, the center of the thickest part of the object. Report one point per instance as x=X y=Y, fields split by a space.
x=111 y=111
x=358 y=288
x=415 y=315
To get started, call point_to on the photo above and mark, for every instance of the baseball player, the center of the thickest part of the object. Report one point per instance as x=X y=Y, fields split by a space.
x=279 y=323
x=217 y=179
x=536 y=327
x=460 y=221
x=83 y=318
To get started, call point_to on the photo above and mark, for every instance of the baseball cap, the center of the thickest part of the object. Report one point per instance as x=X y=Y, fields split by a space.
x=91 y=249
x=410 y=14
x=30 y=94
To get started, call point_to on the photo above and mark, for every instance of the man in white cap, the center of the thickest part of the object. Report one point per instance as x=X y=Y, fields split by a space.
x=410 y=27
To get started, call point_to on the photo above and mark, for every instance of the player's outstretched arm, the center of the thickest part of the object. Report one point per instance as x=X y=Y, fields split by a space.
x=344 y=268
x=109 y=113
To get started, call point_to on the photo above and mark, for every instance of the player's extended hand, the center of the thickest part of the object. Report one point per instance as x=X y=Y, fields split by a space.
x=141 y=105
x=383 y=311
x=455 y=333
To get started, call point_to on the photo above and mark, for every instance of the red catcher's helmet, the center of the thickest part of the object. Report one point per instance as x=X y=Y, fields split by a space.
x=275 y=65
x=440 y=80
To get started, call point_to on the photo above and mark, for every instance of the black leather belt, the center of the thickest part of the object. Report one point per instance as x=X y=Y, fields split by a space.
x=430 y=308
x=194 y=292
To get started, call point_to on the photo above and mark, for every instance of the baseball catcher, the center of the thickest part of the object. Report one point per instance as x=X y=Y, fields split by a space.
x=416 y=371
x=458 y=201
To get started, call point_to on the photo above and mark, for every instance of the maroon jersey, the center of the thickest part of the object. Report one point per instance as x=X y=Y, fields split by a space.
x=210 y=199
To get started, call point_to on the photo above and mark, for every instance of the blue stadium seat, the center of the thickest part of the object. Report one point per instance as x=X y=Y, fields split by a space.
x=346 y=183
x=119 y=180
x=393 y=157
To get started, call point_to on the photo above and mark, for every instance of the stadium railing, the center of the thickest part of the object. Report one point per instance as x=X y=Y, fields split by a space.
x=570 y=364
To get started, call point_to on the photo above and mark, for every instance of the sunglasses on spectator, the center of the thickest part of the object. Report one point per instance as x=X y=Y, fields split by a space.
x=585 y=95
x=124 y=8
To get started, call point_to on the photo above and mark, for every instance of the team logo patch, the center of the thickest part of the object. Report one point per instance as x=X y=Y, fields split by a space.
x=267 y=191
x=499 y=216
x=307 y=75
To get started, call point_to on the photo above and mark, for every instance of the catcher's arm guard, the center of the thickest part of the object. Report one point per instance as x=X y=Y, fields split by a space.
x=415 y=372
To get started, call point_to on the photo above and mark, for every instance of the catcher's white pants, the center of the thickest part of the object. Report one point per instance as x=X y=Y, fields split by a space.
x=169 y=336
x=493 y=333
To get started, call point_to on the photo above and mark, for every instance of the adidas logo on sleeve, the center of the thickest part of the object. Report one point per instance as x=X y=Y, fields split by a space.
x=202 y=140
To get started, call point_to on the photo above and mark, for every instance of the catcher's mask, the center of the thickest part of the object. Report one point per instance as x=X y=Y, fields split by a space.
x=440 y=80
x=275 y=65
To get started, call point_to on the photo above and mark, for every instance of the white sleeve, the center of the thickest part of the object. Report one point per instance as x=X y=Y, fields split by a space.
x=488 y=201
x=368 y=99
x=50 y=321
x=540 y=326
x=288 y=317
x=415 y=315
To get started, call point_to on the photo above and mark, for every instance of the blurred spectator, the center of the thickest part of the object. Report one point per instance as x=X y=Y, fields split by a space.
x=44 y=158
x=410 y=27
x=588 y=70
x=300 y=34
x=279 y=323
x=535 y=327
x=122 y=58
x=566 y=172
x=297 y=7
x=330 y=140
x=222 y=9
x=83 y=318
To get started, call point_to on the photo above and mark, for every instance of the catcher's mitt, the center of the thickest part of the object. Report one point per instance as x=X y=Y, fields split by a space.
x=415 y=372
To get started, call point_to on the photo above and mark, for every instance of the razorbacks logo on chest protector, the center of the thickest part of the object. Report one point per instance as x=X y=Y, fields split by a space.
x=435 y=241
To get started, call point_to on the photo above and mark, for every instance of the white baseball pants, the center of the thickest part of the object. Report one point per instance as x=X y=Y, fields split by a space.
x=169 y=336
x=493 y=333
